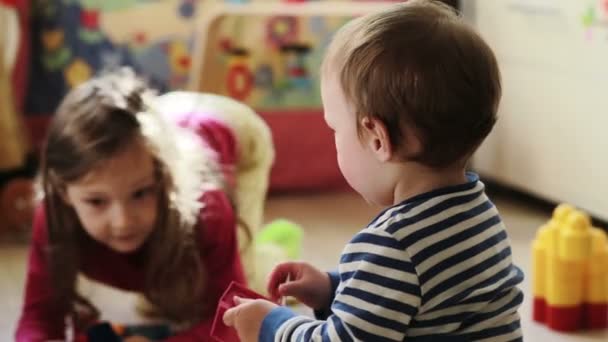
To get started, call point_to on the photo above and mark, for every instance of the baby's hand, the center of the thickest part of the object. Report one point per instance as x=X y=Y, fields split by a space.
x=247 y=316
x=306 y=283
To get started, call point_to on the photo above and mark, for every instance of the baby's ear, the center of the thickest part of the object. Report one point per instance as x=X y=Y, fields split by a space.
x=375 y=136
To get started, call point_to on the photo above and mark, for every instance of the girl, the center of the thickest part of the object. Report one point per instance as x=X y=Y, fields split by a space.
x=136 y=202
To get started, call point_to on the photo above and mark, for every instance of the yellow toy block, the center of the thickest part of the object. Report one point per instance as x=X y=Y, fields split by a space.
x=597 y=269
x=570 y=272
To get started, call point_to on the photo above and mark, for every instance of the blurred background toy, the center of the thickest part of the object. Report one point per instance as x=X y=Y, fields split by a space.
x=278 y=241
x=13 y=149
x=16 y=190
x=570 y=272
x=16 y=205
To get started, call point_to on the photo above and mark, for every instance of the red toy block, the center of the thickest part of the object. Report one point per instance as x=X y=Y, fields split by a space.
x=595 y=316
x=565 y=318
x=219 y=331
x=539 y=310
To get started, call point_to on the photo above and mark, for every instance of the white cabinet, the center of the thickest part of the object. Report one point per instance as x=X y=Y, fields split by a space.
x=551 y=139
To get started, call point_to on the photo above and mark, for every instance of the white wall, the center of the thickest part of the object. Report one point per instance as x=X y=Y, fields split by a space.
x=552 y=136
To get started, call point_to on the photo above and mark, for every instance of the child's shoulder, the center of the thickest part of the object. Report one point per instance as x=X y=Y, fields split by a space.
x=455 y=208
x=217 y=218
x=215 y=202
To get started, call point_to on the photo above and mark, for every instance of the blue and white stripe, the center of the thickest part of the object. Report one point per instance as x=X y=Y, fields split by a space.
x=435 y=267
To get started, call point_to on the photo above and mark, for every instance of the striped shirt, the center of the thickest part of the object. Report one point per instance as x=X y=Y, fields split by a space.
x=436 y=267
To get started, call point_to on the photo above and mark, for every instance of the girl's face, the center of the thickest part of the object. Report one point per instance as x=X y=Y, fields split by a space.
x=117 y=201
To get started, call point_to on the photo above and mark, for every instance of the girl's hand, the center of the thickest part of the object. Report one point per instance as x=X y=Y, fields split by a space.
x=247 y=316
x=307 y=284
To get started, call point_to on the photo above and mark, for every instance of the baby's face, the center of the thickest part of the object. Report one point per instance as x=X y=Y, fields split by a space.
x=117 y=202
x=357 y=161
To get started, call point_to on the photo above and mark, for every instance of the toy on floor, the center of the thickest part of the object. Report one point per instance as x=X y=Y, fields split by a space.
x=278 y=241
x=219 y=331
x=106 y=332
x=283 y=233
x=570 y=272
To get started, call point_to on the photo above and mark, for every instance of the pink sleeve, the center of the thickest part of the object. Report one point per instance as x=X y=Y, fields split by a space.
x=221 y=257
x=217 y=135
x=39 y=320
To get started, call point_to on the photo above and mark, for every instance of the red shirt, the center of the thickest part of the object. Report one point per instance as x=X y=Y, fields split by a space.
x=40 y=321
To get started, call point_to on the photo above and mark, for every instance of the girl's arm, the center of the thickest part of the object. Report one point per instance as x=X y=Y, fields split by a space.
x=218 y=228
x=39 y=321
x=221 y=258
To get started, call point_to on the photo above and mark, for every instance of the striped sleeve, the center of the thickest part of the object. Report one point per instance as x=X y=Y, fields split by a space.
x=378 y=295
x=324 y=313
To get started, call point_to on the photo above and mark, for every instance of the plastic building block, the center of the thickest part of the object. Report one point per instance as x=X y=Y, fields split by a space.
x=219 y=331
x=570 y=272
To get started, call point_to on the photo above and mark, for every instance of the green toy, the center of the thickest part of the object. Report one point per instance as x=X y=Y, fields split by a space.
x=282 y=233
x=277 y=242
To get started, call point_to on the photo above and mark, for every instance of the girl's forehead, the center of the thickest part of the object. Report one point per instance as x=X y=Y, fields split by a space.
x=129 y=166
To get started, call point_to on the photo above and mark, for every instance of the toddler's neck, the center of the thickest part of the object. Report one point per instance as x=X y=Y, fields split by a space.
x=417 y=179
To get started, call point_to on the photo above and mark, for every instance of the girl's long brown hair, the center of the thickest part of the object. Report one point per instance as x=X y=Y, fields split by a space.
x=94 y=122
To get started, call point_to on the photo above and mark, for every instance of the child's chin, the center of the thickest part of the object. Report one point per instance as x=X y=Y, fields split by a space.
x=126 y=247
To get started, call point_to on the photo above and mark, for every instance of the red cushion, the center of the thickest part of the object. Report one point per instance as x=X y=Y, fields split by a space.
x=305 y=152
